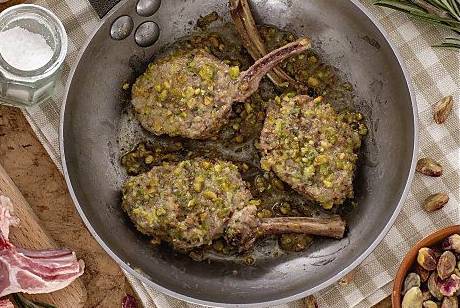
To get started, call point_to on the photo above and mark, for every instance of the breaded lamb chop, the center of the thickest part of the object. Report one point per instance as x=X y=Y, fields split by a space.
x=307 y=145
x=191 y=203
x=190 y=94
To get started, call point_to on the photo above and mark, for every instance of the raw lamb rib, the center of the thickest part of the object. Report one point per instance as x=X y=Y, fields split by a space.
x=32 y=272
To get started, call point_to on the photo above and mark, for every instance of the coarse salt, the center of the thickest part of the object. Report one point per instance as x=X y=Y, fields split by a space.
x=23 y=49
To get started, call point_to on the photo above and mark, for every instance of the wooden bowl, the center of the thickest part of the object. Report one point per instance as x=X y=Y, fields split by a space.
x=429 y=241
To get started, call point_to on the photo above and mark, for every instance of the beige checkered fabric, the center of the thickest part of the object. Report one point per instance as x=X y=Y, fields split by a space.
x=435 y=73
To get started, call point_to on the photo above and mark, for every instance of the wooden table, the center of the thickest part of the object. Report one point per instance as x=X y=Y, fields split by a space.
x=41 y=183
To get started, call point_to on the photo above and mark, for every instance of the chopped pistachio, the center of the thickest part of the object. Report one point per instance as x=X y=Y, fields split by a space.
x=234 y=72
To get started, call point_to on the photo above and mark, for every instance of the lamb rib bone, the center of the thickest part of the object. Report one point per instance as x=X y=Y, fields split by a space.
x=22 y=270
x=252 y=41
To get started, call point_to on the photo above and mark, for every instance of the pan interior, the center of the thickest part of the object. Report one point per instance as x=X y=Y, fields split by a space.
x=92 y=123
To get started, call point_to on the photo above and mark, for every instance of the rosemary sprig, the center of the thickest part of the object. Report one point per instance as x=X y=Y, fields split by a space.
x=444 y=13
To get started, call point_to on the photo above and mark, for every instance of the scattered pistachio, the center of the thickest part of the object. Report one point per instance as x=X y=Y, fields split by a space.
x=433 y=286
x=435 y=202
x=427 y=258
x=450 y=302
x=412 y=280
x=449 y=286
x=413 y=298
x=429 y=304
x=310 y=302
x=428 y=166
x=446 y=264
x=452 y=243
x=442 y=109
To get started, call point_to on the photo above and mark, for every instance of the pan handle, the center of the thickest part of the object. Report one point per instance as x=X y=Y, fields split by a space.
x=103 y=7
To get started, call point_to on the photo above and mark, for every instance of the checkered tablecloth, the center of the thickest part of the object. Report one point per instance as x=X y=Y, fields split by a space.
x=435 y=73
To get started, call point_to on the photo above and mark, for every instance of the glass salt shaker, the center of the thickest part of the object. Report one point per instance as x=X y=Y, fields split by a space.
x=27 y=86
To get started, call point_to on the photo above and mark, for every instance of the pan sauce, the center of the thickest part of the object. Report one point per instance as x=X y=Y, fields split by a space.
x=238 y=141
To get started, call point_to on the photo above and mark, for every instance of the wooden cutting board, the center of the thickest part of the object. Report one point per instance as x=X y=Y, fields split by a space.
x=30 y=234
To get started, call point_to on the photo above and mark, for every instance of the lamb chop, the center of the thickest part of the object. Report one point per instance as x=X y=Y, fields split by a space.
x=307 y=144
x=253 y=42
x=32 y=272
x=285 y=134
x=191 y=203
x=190 y=93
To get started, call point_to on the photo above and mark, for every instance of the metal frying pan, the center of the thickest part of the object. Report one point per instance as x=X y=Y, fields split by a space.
x=92 y=122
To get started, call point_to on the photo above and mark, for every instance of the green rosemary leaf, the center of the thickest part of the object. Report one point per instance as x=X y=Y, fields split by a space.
x=450 y=42
x=436 y=9
x=447 y=45
x=455 y=8
x=400 y=6
x=430 y=18
x=443 y=13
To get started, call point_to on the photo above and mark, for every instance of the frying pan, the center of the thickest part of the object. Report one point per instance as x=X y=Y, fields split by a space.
x=93 y=122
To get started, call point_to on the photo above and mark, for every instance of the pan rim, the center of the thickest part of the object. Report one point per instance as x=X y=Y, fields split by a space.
x=321 y=286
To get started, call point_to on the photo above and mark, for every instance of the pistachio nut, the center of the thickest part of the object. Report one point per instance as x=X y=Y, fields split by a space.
x=435 y=202
x=442 y=109
x=429 y=304
x=446 y=264
x=413 y=298
x=426 y=257
x=433 y=286
x=428 y=166
x=412 y=280
x=449 y=286
x=452 y=243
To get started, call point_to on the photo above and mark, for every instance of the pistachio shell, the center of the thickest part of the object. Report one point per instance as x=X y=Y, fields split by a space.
x=446 y=264
x=413 y=298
